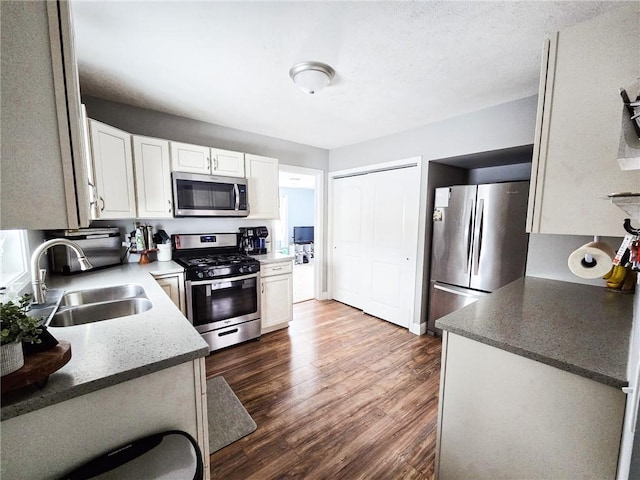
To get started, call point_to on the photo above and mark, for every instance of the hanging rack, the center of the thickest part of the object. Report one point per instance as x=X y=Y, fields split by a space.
x=629 y=229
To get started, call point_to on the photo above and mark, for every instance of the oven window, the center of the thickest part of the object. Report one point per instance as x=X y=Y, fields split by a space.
x=194 y=195
x=223 y=300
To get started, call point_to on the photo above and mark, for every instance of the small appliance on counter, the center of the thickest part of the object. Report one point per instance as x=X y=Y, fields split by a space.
x=253 y=240
x=100 y=245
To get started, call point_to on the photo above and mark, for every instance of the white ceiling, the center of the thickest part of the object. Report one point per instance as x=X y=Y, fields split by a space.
x=399 y=65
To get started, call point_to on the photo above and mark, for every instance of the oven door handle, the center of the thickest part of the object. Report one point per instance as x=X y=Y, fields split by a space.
x=212 y=281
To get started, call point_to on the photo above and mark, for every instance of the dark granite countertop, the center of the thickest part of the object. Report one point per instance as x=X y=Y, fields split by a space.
x=582 y=329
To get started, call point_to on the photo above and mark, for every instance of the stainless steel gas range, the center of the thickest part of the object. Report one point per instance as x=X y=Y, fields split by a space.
x=222 y=287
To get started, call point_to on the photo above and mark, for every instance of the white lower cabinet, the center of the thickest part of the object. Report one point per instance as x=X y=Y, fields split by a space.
x=73 y=432
x=276 y=295
x=173 y=286
x=502 y=415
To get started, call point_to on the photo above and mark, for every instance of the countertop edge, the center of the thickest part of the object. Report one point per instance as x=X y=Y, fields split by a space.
x=552 y=362
x=47 y=400
x=555 y=323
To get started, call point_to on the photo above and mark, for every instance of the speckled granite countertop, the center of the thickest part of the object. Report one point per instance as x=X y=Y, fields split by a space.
x=113 y=351
x=582 y=329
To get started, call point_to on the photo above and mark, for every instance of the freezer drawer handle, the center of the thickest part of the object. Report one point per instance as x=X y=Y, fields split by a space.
x=455 y=292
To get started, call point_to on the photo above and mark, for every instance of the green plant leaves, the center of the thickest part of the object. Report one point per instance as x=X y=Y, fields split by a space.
x=16 y=325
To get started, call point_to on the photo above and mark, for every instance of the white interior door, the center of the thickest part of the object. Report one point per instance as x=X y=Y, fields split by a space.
x=348 y=240
x=375 y=236
x=393 y=235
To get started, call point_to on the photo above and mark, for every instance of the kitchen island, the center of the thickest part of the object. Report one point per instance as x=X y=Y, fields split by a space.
x=531 y=383
x=128 y=377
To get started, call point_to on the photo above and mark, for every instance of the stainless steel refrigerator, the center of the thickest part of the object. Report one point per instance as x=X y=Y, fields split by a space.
x=479 y=243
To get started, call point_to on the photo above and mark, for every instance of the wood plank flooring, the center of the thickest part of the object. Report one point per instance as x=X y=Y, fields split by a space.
x=339 y=395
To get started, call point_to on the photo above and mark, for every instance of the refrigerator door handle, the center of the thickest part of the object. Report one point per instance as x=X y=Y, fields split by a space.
x=477 y=241
x=468 y=237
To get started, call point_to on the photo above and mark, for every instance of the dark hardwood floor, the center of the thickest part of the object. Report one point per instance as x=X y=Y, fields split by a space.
x=339 y=394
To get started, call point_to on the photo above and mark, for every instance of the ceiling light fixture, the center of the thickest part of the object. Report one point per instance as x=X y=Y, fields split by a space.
x=311 y=77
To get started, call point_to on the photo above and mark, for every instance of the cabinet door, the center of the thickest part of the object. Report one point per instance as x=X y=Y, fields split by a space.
x=190 y=158
x=40 y=146
x=502 y=415
x=227 y=163
x=578 y=128
x=153 y=177
x=173 y=286
x=277 y=301
x=113 y=169
x=263 y=184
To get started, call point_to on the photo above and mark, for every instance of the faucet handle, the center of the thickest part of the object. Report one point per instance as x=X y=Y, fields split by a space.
x=43 y=276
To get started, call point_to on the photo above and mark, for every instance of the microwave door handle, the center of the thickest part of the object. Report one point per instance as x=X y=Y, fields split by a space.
x=236 y=191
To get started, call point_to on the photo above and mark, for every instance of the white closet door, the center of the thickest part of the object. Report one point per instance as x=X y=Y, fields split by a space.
x=348 y=240
x=393 y=224
x=375 y=237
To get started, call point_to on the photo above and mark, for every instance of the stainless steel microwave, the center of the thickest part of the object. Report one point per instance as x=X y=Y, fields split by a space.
x=198 y=195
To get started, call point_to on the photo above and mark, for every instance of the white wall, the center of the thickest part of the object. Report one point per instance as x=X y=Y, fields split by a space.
x=503 y=126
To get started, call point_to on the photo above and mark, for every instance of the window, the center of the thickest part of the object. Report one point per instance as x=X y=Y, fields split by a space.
x=14 y=249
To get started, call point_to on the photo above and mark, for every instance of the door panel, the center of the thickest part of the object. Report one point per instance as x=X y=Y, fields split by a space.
x=452 y=234
x=393 y=204
x=347 y=240
x=499 y=235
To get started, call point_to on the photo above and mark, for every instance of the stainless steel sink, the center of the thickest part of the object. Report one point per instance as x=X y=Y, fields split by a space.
x=107 y=294
x=95 y=312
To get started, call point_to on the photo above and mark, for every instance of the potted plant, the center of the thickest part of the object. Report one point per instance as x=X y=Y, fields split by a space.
x=16 y=327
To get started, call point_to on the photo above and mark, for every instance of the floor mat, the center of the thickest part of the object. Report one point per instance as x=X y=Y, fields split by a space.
x=229 y=421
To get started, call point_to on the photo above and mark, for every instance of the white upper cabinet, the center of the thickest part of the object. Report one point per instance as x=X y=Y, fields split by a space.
x=41 y=139
x=113 y=170
x=153 y=177
x=227 y=163
x=263 y=184
x=211 y=161
x=190 y=158
x=580 y=114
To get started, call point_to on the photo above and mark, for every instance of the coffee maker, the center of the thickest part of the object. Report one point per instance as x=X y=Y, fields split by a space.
x=253 y=240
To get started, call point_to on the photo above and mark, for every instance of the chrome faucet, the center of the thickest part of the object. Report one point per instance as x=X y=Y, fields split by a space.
x=37 y=274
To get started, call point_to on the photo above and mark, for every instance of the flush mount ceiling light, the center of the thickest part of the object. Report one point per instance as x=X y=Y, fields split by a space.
x=311 y=77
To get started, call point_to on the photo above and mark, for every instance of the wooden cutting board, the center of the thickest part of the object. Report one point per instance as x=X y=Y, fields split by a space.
x=37 y=368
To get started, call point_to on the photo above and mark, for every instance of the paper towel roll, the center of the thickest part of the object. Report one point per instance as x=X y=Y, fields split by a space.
x=602 y=255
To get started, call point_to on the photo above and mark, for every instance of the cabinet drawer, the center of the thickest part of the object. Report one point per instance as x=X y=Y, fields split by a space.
x=279 y=268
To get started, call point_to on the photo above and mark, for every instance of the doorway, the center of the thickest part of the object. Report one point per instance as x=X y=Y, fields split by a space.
x=298 y=232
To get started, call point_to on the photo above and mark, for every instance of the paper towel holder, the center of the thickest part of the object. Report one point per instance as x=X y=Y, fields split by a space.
x=588 y=260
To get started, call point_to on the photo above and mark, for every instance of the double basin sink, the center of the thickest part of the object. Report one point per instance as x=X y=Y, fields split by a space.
x=93 y=305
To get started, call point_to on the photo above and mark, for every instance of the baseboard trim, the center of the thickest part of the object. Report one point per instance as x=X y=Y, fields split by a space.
x=418 y=328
